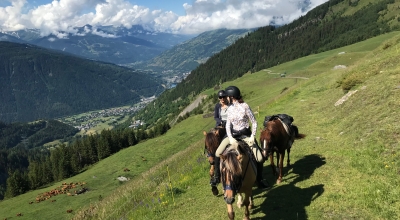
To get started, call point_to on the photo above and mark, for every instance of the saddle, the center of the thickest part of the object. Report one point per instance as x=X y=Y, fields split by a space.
x=287 y=119
x=244 y=131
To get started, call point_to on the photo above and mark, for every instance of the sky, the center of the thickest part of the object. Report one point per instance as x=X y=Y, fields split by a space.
x=172 y=16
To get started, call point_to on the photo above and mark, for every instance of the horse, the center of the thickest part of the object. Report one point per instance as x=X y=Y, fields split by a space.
x=278 y=137
x=234 y=163
x=211 y=143
x=238 y=174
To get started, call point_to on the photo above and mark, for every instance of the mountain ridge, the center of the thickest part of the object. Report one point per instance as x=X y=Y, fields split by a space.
x=40 y=83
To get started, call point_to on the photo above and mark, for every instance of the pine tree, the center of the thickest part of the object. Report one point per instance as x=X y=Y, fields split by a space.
x=17 y=184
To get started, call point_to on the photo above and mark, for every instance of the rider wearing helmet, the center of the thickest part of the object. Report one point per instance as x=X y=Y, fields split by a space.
x=237 y=126
x=221 y=109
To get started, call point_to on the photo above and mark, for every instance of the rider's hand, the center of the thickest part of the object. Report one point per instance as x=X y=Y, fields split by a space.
x=250 y=142
x=233 y=142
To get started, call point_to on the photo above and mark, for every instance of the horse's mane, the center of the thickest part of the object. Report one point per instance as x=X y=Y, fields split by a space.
x=232 y=163
x=214 y=138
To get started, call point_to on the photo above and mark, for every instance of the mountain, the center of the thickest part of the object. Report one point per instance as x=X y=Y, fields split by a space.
x=39 y=83
x=334 y=24
x=119 y=45
x=186 y=56
x=9 y=38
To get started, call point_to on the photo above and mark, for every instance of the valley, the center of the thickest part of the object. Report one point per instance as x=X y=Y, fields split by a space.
x=95 y=121
x=335 y=70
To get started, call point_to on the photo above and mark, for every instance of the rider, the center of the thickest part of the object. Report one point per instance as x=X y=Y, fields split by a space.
x=237 y=125
x=220 y=109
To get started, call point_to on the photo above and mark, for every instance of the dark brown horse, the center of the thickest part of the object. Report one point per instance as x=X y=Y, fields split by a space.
x=211 y=143
x=278 y=137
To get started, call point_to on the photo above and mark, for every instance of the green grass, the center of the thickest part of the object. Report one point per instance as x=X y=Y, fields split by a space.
x=346 y=168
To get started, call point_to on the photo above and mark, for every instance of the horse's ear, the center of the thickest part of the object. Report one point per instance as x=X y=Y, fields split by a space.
x=205 y=133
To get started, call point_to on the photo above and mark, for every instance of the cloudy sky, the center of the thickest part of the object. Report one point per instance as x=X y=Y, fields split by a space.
x=175 y=16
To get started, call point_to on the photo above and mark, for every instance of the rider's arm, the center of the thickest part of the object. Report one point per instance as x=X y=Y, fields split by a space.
x=228 y=124
x=217 y=116
x=253 y=120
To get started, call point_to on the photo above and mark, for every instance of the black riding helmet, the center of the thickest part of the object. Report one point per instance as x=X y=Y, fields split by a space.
x=222 y=93
x=233 y=91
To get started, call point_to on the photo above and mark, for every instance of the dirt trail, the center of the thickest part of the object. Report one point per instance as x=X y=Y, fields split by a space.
x=192 y=105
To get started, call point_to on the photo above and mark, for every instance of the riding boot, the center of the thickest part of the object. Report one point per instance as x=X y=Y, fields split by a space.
x=259 y=177
x=217 y=173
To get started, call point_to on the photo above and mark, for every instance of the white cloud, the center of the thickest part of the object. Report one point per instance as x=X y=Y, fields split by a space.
x=201 y=15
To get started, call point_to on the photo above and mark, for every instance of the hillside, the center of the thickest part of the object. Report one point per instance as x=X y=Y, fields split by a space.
x=347 y=166
x=20 y=142
x=34 y=134
x=186 y=56
x=37 y=83
x=346 y=163
x=331 y=25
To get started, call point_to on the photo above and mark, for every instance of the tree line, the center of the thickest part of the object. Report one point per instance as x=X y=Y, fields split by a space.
x=23 y=169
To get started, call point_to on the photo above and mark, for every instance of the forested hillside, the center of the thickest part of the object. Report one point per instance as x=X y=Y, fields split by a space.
x=19 y=141
x=36 y=83
x=35 y=134
x=333 y=24
x=188 y=55
x=25 y=165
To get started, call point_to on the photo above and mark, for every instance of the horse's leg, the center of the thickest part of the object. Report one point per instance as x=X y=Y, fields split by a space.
x=246 y=203
x=282 y=157
x=277 y=163
x=271 y=159
x=231 y=213
x=240 y=200
x=214 y=188
x=288 y=157
x=251 y=202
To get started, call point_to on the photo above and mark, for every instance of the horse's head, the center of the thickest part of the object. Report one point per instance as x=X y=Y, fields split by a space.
x=265 y=141
x=213 y=138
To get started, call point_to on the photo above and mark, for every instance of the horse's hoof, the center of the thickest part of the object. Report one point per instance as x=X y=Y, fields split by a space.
x=278 y=181
x=214 y=190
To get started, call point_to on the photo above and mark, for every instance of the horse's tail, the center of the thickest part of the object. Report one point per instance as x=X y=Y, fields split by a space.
x=297 y=135
x=232 y=163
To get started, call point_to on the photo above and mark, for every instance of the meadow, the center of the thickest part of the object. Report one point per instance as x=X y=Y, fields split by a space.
x=346 y=168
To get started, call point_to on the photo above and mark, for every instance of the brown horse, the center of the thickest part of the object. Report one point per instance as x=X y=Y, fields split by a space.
x=211 y=143
x=278 y=137
x=238 y=174
x=234 y=163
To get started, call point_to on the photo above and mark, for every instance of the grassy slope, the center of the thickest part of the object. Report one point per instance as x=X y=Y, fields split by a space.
x=345 y=168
